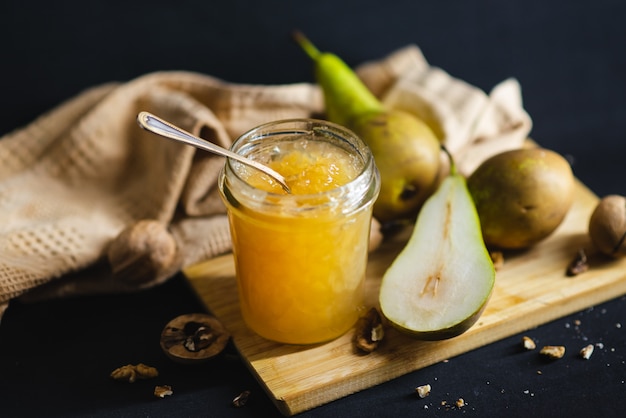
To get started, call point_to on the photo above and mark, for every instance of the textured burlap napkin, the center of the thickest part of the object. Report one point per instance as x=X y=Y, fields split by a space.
x=89 y=202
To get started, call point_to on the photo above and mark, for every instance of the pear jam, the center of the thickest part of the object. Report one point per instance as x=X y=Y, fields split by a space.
x=300 y=257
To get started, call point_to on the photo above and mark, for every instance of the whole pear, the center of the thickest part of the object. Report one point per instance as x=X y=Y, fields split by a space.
x=405 y=149
x=440 y=283
x=521 y=196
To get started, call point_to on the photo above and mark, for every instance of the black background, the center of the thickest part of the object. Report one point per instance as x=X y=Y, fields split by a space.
x=569 y=57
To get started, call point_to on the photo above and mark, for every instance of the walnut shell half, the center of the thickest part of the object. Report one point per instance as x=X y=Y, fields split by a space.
x=193 y=338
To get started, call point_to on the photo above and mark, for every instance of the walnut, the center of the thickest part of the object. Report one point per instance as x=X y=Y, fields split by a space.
x=142 y=252
x=553 y=351
x=369 y=331
x=460 y=403
x=193 y=338
x=607 y=226
x=131 y=373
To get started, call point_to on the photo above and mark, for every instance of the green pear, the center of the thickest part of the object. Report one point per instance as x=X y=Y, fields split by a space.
x=439 y=284
x=405 y=149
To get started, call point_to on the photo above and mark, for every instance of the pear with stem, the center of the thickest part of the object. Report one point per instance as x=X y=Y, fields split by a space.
x=405 y=149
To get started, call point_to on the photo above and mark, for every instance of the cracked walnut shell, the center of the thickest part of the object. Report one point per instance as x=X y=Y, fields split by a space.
x=193 y=338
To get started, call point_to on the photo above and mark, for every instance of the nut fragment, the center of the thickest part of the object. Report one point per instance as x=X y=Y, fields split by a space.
x=586 y=351
x=131 y=373
x=553 y=351
x=528 y=343
x=193 y=338
x=241 y=399
x=163 y=391
x=369 y=331
x=579 y=264
x=460 y=403
x=423 y=391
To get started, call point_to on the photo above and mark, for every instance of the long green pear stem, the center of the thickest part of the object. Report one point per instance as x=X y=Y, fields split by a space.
x=306 y=45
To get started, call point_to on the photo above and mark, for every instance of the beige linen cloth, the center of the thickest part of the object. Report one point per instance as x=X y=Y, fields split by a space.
x=75 y=178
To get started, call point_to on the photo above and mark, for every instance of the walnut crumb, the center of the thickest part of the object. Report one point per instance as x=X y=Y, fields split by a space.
x=460 y=403
x=586 y=351
x=423 y=391
x=553 y=351
x=131 y=373
x=528 y=343
x=578 y=265
x=241 y=399
x=163 y=391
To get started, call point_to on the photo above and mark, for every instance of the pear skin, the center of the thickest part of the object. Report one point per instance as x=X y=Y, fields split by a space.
x=439 y=284
x=405 y=149
x=522 y=196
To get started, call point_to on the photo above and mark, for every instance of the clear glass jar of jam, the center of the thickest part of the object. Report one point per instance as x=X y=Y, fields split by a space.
x=301 y=258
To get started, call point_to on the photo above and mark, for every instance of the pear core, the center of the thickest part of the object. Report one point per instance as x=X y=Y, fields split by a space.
x=439 y=284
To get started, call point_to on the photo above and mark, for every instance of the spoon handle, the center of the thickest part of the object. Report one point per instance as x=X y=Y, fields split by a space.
x=165 y=129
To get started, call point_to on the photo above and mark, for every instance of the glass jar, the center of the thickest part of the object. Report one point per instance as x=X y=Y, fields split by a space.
x=300 y=258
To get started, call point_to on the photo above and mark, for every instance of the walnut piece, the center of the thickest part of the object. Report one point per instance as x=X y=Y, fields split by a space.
x=579 y=264
x=241 y=399
x=369 y=331
x=131 y=373
x=163 y=391
x=586 y=351
x=423 y=391
x=528 y=343
x=553 y=351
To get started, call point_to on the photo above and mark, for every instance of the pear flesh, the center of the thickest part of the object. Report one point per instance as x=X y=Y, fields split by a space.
x=439 y=284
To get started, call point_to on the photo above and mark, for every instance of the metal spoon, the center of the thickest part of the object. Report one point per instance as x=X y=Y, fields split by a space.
x=161 y=127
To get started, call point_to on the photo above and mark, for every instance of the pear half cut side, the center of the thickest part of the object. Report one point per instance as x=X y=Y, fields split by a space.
x=439 y=284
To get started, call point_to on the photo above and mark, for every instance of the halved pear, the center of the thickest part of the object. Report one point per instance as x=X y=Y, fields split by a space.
x=439 y=284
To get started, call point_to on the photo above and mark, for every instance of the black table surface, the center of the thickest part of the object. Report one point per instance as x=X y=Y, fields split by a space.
x=569 y=57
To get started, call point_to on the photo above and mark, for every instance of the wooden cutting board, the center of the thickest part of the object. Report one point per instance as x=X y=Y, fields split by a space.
x=531 y=289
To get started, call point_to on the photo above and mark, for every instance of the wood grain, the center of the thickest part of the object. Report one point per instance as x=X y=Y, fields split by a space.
x=531 y=289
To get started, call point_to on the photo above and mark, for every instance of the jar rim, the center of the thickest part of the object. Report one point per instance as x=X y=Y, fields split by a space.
x=365 y=184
